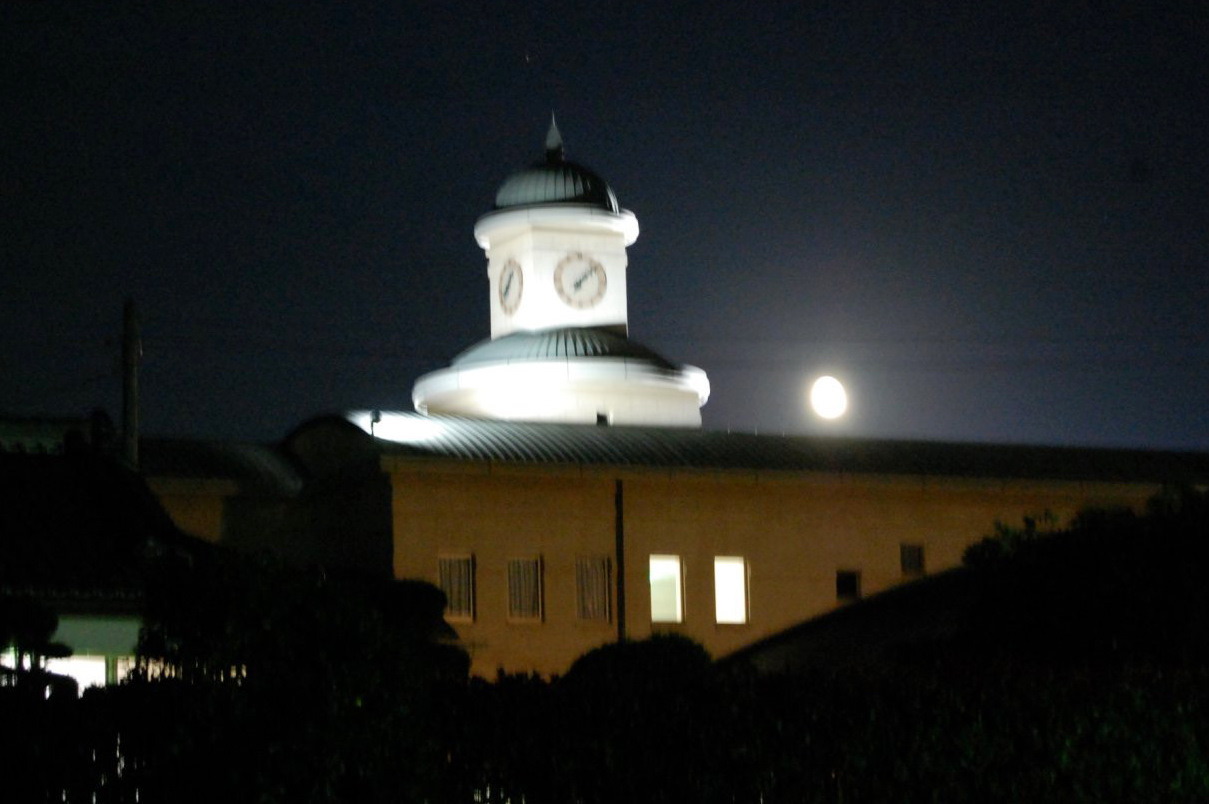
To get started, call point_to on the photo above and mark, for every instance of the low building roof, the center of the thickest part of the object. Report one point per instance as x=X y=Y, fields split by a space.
x=76 y=529
x=255 y=469
x=685 y=448
x=872 y=631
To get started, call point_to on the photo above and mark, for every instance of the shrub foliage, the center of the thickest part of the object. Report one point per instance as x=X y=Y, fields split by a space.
x=1080 y=675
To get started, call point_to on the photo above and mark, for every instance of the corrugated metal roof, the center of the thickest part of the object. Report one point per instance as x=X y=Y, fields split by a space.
x=657 y=447
x=556 y=182
x=559 y=344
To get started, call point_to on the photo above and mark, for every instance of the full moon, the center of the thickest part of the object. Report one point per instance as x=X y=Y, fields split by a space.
x=828 y=398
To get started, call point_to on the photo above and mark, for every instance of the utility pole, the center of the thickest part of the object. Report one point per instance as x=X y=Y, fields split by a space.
x=132 y=353
x=619 y=554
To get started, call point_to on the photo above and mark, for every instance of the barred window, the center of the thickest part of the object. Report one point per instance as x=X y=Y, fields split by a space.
x=457 y=582
x=911 y=556
x=593 y=588
x=525 y=588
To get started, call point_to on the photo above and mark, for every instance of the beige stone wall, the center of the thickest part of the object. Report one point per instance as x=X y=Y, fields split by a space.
x=794 y=531
x=500 y=515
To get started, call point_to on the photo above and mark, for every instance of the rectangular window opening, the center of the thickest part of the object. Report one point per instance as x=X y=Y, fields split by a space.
x=911 y=557
x=593 y=588
x=457 y=582
x=730 y=590
x=847 y=585
x=667 y=590
x=525 y=588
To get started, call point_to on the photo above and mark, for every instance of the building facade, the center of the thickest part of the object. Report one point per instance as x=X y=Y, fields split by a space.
x=550 y=540
x=561 y=496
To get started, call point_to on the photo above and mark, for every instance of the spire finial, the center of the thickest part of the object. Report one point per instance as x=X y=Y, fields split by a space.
x=554 y=142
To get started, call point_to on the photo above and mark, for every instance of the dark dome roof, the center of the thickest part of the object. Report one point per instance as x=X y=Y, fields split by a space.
x=559 y=344
x=556 y=181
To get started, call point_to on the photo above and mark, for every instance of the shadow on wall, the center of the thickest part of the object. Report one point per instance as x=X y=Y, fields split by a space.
x=341 y=516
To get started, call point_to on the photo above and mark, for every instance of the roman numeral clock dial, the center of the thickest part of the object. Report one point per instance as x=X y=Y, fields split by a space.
x=580 y=280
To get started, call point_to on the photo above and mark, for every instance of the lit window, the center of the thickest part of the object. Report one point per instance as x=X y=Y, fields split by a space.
x=88 y=671
x=847 y=585
x=525 y=588
x=911 y=556
x=730 y=589
x=457 y=582
x=593 y=588
x=667 y=600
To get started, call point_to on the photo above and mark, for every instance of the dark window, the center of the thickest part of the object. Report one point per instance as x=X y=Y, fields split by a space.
x=911 y=556
x=847 y=585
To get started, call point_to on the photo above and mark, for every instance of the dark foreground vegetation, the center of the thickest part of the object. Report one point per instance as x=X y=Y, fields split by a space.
x=1078 y=671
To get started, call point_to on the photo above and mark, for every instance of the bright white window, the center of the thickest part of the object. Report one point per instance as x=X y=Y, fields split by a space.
x=88 y=671
x=667 y=598
x=730 y=589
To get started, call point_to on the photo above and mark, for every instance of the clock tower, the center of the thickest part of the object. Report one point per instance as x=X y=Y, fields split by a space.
x=556 y=248
x=560 y=350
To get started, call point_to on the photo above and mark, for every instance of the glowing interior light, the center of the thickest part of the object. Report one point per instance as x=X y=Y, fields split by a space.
x=730 y=589
x=88 y=671
x=667 y=603
x=828 y=398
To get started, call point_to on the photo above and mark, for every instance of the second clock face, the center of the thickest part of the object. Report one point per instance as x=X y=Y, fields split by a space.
x=512 y=282
x=580 y=280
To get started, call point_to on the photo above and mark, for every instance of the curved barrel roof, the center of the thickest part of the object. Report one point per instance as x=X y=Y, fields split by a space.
x=686 y=448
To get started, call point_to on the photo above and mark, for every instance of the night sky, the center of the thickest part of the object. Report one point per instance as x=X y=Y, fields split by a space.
x=991 y=220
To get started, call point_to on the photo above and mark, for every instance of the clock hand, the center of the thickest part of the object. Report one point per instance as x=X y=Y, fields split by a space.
x=508 y=284
x=583 y=278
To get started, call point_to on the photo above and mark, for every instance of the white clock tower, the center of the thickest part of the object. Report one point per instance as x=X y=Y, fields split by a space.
x=559 y=351
x=556 y=248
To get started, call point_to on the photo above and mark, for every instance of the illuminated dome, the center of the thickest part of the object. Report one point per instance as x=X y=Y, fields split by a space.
x=572 y=374
x=556 y=181
x=556 y=244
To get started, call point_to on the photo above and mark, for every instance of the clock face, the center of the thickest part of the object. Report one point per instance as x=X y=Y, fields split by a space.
x=511 y=284
x=580 y=280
